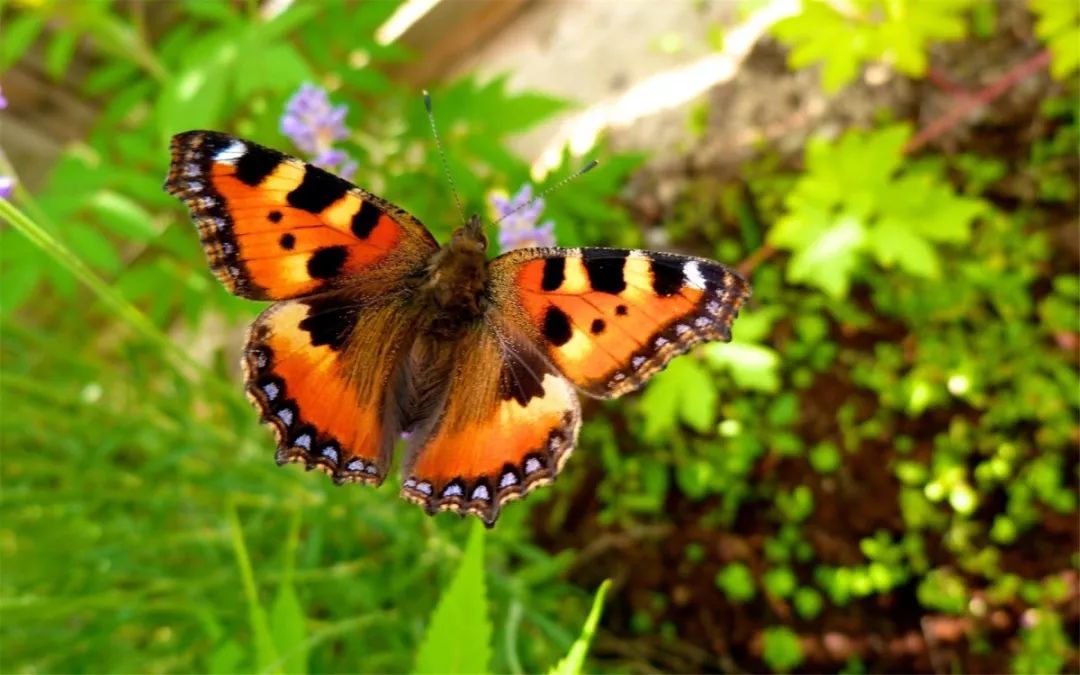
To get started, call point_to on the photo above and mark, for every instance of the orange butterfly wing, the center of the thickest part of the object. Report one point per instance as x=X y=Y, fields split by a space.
x=275 y=228
x=609 y=319
x=508 y=423
x=323 y=383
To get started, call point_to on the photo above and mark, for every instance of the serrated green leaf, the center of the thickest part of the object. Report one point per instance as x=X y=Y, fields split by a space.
x=893 y=243
x=844 y=37
x=574 y=661
x=458 y=638
x=831 y=259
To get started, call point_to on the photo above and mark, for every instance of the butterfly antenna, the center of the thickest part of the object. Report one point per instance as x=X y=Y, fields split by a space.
x=442 y=154
x=548 y=190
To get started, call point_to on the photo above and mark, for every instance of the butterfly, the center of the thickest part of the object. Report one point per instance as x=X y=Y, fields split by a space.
x=376 y=331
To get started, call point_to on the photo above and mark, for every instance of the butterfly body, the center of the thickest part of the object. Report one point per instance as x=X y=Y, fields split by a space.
x=377 y=331
x=455 y=288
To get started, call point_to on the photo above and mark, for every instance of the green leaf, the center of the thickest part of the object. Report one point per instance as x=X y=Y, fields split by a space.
x=217 y=12
x=574 y=661
x=753 y=367
x=858 y=199
x=58 y=54
x=699 y=398
x=894 y=244
x=781 y=649
x=1058 y=25
x=265 y=654
x=844 y=37
x=275 y=68
x=226 y=659
x=808 y=603
x=683 y=392
x=829 y=262
x=20 y=32
x=22 y=264
x=458 y=638
x=779 y=581
x=195 y=97
x=288 y=624
x=93 y=247
x=122 y=215
x=737 y=583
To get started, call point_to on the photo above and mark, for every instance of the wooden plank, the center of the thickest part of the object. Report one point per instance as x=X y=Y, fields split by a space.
x=448 y=31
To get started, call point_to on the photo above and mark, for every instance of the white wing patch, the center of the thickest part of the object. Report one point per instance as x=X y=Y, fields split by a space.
x=693 y=275
x=231 y=153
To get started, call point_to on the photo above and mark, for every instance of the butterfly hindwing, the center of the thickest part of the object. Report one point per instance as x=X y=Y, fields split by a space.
x=609 y=319
x=275 y=228
x=507 y=425
x=324 y=386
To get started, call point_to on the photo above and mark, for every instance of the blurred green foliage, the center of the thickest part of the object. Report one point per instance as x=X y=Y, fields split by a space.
x=895 y=423
x=842 y=37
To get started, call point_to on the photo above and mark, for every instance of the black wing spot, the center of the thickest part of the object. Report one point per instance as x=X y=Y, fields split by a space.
x=554 y=273
x=287 y=241
x=605 y=270
x=329 y=323
x=365 y=220
x=518 y=378
x=557 y=326
x=326 y=263
x=666 y=279
x=598 y=326
x=621 y=310
x=274 y=216
x=256 y=164
x=318 y=190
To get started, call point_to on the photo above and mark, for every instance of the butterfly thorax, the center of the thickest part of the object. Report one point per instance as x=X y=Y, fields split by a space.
x=454 y=289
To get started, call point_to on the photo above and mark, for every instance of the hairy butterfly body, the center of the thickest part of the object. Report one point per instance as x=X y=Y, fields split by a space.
x=376 y=330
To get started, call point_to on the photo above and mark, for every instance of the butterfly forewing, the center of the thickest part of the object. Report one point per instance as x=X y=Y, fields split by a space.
x=611 y=318
x=275 y=228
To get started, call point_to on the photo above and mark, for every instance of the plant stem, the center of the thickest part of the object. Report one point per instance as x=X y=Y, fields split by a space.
x=968 y=105
x=108 y=295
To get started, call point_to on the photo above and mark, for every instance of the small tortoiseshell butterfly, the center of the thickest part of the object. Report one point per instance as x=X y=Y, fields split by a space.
x=376 y=329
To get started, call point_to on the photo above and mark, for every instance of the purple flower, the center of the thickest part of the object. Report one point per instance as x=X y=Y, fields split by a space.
x=311 y=122
x=518 y=228
x=3 y=101
x=336 y=161
x=7 y=186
